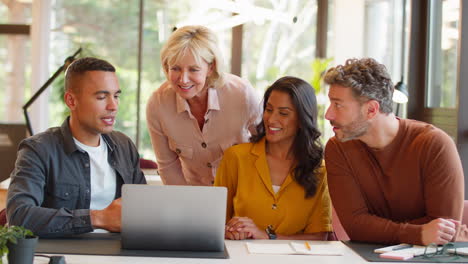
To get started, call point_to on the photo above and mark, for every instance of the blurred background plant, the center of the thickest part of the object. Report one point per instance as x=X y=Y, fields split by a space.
x=319 y=67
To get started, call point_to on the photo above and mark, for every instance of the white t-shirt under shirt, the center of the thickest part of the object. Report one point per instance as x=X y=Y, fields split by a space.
x=103 y=177
x=276 y=188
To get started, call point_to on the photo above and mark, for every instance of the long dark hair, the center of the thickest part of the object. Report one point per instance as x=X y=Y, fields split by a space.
x=306 y=148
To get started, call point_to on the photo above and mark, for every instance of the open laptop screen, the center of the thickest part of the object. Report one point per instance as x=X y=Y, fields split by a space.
x=184 y=218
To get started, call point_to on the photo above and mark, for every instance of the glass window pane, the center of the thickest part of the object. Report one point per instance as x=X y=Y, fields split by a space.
x=383 y=34
x=279 y=39
x=104 y=29
x=3 y=13
x=370 y=28
x=15 y=63
x=97 y=27
x=443 y=49
x=16 y=12
x=156 y=30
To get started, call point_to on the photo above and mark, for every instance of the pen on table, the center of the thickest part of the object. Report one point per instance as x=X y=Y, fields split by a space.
x=398 y=247
x=306 y=244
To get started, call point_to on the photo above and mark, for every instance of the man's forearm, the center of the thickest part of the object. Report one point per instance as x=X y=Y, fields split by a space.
x=47 y=222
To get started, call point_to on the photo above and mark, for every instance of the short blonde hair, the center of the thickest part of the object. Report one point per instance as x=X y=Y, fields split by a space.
x=203 y=45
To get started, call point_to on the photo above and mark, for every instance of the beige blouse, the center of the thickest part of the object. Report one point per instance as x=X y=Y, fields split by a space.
x=186 y=155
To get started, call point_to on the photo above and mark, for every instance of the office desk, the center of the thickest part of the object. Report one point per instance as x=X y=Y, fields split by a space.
x=238 y=254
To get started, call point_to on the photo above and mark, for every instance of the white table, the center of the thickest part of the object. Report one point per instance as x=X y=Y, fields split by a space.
x=152 y=177
x=238 y=254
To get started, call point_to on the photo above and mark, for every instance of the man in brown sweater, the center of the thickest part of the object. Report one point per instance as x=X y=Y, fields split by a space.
x=391 y=180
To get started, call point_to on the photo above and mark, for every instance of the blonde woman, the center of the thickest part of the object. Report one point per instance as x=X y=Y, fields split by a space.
x=199 y=111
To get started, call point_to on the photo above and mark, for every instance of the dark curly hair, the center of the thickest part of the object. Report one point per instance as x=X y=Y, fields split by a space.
x=366 y=78
x=307 y=149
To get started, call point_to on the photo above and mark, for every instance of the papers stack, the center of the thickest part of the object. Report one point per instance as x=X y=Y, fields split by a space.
x=403 y=251
x=459 y=251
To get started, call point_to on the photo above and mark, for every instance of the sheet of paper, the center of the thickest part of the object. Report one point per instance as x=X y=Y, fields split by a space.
x=292 y=248
x=269 y=248
x=417 y=250
x=460 y=251
x=392 y=248
x=406 y=249
x=323 y=250
x=397 y=255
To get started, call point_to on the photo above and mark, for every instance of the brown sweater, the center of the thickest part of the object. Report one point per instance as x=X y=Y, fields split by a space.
x=386 y=195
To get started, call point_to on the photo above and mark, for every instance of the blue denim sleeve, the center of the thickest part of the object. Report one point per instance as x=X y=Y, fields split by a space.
x=26 y=195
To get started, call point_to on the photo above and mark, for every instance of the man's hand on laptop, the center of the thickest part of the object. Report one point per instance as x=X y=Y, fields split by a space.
x=108 y=218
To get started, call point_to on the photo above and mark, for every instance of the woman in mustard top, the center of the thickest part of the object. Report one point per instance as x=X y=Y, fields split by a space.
x=277 y=186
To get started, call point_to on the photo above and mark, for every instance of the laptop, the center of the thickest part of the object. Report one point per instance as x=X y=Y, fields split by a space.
x=177 y=218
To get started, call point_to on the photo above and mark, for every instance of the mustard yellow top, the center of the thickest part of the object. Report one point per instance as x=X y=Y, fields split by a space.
x=244 y=171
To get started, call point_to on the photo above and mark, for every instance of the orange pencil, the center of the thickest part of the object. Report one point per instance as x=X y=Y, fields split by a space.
x=307 y=245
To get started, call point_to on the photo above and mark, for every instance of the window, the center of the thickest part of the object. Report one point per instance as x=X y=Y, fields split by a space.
x=110 y=30
x=3 y=14
x=442 y=54
x=97 y=27
x=383 y=34
x=370 y=28
x=279 y=40
x=14 y=62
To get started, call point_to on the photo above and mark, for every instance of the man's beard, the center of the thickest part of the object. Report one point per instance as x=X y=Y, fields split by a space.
x=354 y=130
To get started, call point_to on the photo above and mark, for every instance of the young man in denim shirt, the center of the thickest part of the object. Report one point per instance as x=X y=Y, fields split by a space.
x=68 y=179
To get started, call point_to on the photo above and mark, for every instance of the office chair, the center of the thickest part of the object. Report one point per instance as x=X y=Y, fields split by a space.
x=339 y=232
x=464 y=219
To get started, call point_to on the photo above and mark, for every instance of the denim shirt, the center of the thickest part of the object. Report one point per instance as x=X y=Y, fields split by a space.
x=50 y=190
